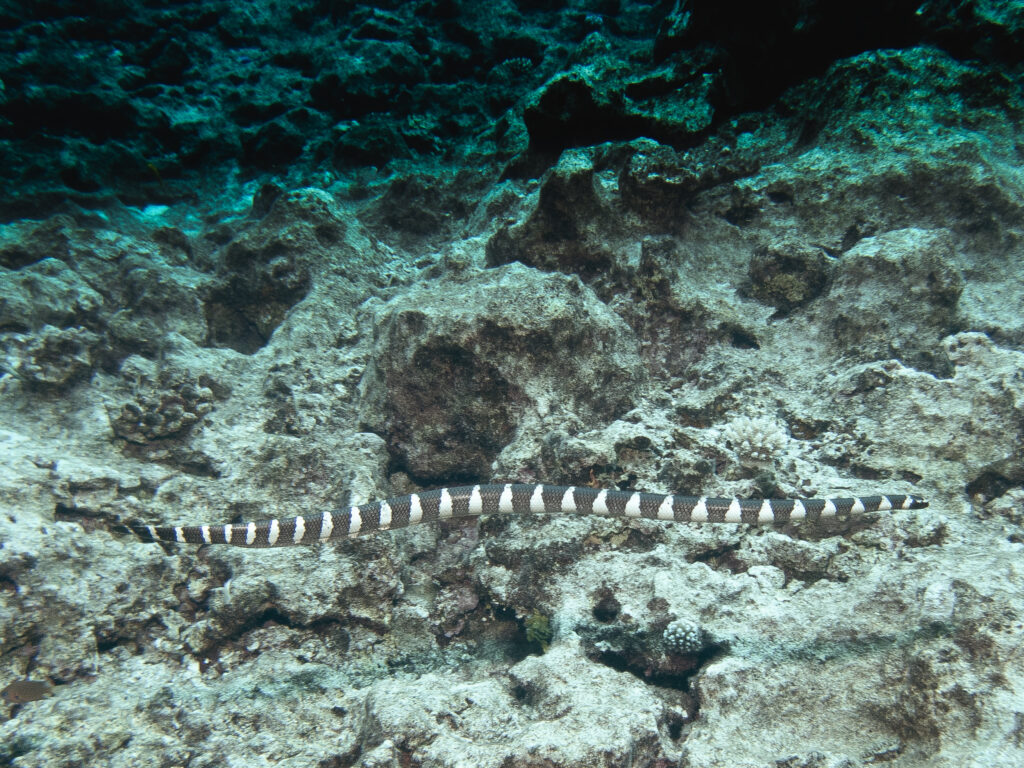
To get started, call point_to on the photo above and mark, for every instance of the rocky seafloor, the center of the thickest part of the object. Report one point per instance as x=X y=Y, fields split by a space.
x=268 y=259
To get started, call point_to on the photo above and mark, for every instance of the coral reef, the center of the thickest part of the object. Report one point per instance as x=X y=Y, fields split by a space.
x=275 y=258
x=684 y=636
x=756 y=440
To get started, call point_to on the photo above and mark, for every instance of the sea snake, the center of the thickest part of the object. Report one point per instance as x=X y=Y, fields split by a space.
x=474 y=500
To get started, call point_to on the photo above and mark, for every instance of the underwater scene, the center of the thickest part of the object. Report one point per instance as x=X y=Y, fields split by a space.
x=512 y=384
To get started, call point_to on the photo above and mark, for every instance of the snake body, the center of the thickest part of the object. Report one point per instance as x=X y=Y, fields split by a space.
x=515 y=498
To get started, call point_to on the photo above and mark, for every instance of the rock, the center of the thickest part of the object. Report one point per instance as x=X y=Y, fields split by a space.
x=459 y=366
x=53 y=358
x=895 y=295
x=46 y=292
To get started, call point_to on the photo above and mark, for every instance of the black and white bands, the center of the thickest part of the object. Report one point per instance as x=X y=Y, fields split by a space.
x=473 y=500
